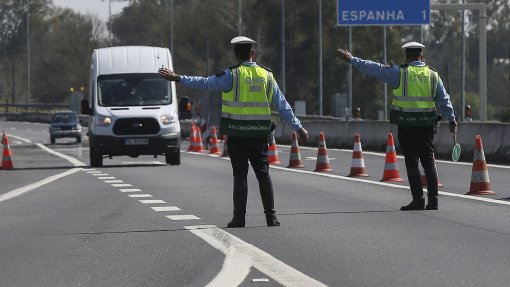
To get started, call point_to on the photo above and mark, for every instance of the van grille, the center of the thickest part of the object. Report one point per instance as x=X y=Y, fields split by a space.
x=136 y=126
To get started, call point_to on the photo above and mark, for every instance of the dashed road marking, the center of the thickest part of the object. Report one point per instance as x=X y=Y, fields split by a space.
x=121 y=184
x=129 y=189
x=152 y=201
x=113 y=181
x=139 y=195
x=106 y=177
x=182 y=217
x=166 y=208
x=100 y=174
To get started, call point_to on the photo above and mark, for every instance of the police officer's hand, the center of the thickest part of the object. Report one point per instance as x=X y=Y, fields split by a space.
x=453 y=127
x=168 y=74
x=346 y=55
x=303 y=135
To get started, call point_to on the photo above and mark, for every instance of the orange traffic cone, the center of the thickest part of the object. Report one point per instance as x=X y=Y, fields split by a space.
x=199 y=146
x=215 y=148
x=391 y=172
x=480 y=184
x=272 y=154
x=295 y=157
x=6 y=155
x=225 y=147
x=322 y=155
x=192 y=135
x=358 y=164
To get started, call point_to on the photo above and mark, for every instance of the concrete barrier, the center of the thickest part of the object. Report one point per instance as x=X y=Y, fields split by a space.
x=374 y=135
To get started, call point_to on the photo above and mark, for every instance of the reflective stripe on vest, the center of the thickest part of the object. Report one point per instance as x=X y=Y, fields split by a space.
x=245 y=109
x=414 y=100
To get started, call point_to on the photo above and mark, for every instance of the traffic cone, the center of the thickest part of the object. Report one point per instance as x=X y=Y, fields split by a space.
x=322 y=156
x=391 y=172
x=295 y=157
x=480 y=184
x=192 y=135
x=199 y=146
x=215 y=148
x=358 y=164
x=225 y=147
x=6 y=155
x=272 y=154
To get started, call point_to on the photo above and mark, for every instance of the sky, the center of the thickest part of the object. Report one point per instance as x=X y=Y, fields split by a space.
x=98 y=8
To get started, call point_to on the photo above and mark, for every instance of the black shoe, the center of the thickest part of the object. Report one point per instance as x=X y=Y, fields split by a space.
x=271 y=220
x=237 y=221
x=432 y=204
x=416 y=204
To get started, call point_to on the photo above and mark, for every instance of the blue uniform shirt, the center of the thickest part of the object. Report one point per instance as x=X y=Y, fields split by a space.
x=223 y=82
x=391 y=76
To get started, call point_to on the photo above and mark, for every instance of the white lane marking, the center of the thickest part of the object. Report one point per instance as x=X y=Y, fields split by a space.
x=230 y=245
x=113 y=181
x=88 y=169
x=92 y=172
x=139 y=195
x=166 y=208
x=121 y=184
x=152 y=201
x=100 y=174
x=19 y=138
x=72 y=160
x=464 y=196
x=27 y=188
x=106 y=177
x=129 y=189
x=182 y=217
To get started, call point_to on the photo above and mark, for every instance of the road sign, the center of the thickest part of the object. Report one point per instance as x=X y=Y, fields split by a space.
x=383 y=12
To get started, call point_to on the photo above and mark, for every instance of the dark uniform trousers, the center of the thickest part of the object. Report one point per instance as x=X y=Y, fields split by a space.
x=417 y=146
x=255 y=150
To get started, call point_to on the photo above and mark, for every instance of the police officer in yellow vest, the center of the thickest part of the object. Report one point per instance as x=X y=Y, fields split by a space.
x=248 y=91
x=418 y=97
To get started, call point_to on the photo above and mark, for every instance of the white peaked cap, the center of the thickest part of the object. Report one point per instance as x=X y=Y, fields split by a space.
x=413 y=45
x=242 y=40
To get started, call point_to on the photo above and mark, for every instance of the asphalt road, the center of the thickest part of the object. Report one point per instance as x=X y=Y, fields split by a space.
x=138 y=222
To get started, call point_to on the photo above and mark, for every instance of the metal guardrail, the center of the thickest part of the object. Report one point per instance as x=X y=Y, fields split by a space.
x=34 y=107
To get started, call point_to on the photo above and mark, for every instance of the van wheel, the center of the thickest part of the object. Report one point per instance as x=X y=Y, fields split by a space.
x=52 y=140
x=96 y=159
x=78 y=139
x=173 y=157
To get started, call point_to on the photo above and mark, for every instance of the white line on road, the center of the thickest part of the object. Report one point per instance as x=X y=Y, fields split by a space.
x=113 y=181
x=139 y=195
x=166 y=208
x=72 y=160
x=182 y=217
x=22 y=190
x=19 y=138
x=152 y=201
x=106 y=177
x=129 y=189
x=235 y=269
x=121 y=184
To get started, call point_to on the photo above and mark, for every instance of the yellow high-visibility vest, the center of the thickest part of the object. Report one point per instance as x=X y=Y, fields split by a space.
x=413 y=101
x=245 y=109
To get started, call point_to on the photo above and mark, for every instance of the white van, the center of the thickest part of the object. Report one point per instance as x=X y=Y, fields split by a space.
x=133 y=111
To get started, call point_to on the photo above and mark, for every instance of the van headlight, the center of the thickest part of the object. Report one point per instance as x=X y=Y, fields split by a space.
x=167 y=119
x=103 y=121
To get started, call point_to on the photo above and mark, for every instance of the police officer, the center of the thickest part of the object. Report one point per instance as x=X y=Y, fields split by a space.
x=248 y=90
x=419 y=95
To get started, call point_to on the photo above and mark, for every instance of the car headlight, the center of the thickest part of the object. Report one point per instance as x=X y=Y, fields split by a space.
x=103 y=121
x=167 y=119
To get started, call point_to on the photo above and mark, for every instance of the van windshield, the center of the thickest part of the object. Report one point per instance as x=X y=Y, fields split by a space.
x=133 y=90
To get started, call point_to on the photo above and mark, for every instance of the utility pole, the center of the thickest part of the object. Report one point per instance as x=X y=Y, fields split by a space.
x=320 y=57
x=239 y=17
x=283 y=46
x=28 y=53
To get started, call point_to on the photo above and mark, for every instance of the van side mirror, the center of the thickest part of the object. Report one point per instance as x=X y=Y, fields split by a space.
x=184 y=108
x=85 y=107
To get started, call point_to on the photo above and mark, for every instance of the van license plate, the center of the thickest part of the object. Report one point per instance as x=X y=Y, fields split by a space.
x=140 y=141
